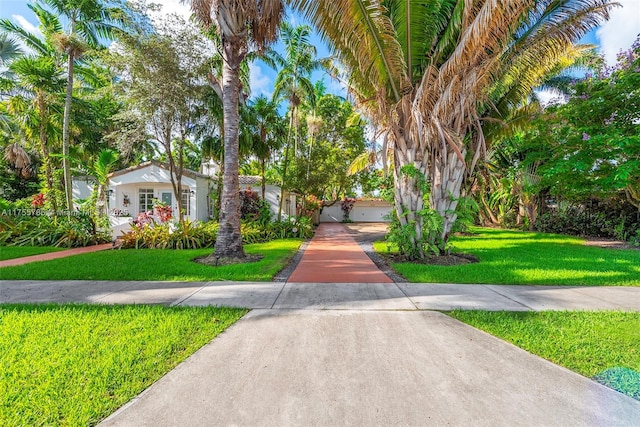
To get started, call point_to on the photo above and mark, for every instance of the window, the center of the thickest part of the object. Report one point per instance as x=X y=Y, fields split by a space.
x=145 y=197
x=186 y=202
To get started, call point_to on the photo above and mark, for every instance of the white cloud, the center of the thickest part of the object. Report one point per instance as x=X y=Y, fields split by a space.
x=550 y=96
x=174 y=7
x=336 y=87
x=259 y=82
x=28 y=26
x=621 y=30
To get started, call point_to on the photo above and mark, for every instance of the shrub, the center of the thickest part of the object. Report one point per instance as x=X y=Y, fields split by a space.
x=613 y=218
x=308 y=206
x=46 y=230
x=347 y=205
x=153 y=235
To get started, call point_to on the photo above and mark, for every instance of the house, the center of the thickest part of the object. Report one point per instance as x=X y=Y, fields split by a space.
x=134 y=190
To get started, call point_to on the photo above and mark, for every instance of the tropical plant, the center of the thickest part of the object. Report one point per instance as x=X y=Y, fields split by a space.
x=88 y=22
x=293 y=83
x=427 y=72
x=35 y=108
x=238 y=23
x=102 y=167
x=267 y=132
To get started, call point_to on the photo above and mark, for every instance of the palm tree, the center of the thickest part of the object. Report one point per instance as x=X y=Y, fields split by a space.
x=293 y=83
x=426 y=72
x=102 y=167
x=9 y=49
x=238 y=23
x=267 y=133
x=88 y=22
x=38 y=84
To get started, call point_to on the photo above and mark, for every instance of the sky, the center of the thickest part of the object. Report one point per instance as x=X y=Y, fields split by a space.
x=615 y=35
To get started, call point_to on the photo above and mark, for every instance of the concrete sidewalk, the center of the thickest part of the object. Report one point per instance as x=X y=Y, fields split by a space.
x=362 y=368
x=327 y=296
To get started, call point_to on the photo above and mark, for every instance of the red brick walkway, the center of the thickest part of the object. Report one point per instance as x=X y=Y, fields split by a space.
x=333 y=256
x=54 y=255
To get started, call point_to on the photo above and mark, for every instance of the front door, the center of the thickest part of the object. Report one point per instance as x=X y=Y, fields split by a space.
x=167 y=198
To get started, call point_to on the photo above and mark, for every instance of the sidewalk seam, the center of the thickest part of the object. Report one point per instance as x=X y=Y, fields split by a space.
x=278 y=296
x=509 y=298
x=407 y=297
x=183 y=299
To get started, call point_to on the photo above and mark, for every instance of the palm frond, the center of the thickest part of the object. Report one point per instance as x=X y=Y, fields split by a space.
x=363 y=37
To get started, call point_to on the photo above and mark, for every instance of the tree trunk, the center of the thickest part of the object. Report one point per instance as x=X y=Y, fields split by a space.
x=262 y=173
x=46 y=157
x=229 y=240
x=101 y=202
x=409 y=196
x=284 y=168
x=66 y=165
x=446 y=181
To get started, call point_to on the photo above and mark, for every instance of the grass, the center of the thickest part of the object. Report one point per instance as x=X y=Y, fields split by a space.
x=76 y=364
x=600 y=345
x=157 y=264
x=11 y=252
x=523 y=258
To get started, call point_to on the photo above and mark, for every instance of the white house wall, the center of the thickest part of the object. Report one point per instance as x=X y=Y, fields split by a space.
x=200 y=201
x=82 y=187
x=158 y=179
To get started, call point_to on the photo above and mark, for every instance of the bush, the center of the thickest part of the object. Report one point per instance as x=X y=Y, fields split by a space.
x=17 y=229
x=610 y=218
x=154 y=235
x=194 y=235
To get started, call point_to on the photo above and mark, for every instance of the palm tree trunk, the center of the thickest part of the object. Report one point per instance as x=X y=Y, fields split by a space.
x=229 y=240
x=66 y=166
x=46 y=157
x=409 y=198
x=262 y=172
x=284 y=167
x=101 y=202
x=446 y=183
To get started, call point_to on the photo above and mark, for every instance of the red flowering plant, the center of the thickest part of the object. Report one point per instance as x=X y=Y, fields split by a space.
x=163 y=211
x=308 y=206
x=347 y=205
x=143 y=219
x=38 y=201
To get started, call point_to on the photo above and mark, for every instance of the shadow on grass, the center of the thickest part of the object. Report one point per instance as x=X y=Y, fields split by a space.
x=512 y=257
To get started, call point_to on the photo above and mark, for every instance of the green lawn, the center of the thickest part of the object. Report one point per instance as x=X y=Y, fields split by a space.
x=600 y=345
x=11 y=252
x=76 y=364
x=157 y=264
x=522 y=258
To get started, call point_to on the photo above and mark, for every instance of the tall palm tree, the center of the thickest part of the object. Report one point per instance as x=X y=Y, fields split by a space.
x=239 y=23
x=293 y=83
x=426 y=72
x=88 y=22
x=38 y=85
x=268 y=132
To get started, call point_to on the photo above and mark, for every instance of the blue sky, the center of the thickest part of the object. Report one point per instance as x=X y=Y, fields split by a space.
x=615 y=35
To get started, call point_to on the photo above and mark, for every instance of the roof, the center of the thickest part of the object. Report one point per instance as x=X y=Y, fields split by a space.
x=185 y=172
x=243 y=179
x=249 y=180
